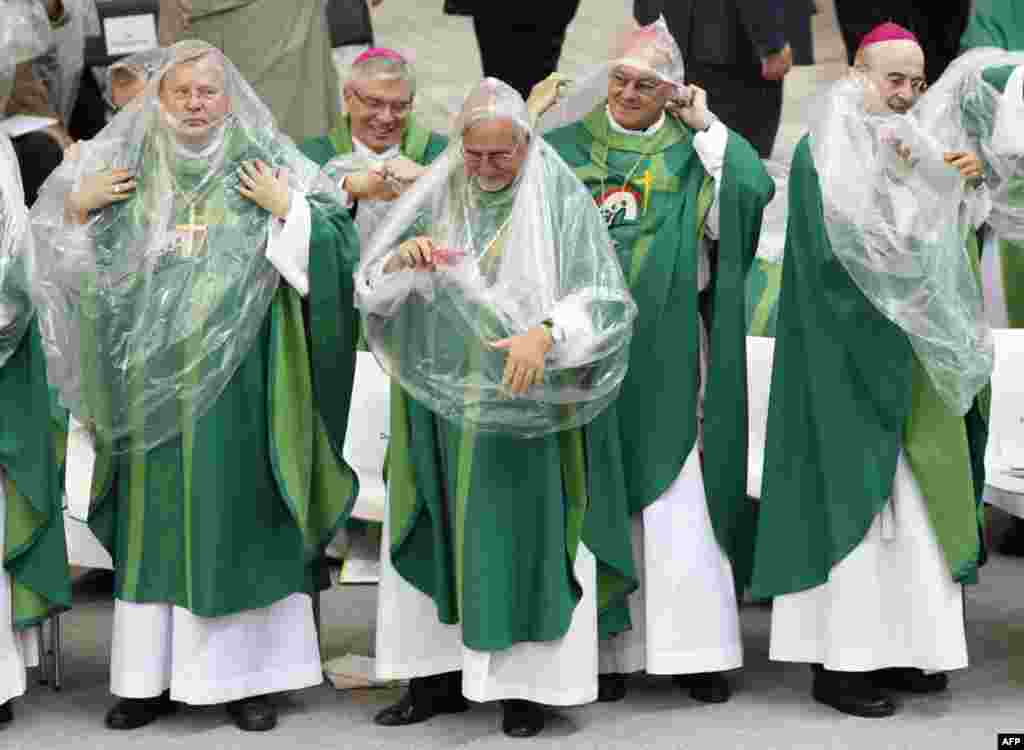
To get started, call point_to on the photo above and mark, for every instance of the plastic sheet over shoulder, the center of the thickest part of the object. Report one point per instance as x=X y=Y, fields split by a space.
x=892 y=212
x=536 y=250
x=147 y=310
x=15 y=304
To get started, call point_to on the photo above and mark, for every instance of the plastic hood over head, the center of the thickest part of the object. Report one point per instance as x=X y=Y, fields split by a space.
x=147 y=310
x=536 y=250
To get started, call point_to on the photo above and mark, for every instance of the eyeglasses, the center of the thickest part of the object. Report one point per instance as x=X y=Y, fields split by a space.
x=500 y=159
x=646 y=87
x=398 y=109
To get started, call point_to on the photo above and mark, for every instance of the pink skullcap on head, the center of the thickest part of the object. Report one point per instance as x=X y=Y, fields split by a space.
x=887 y=32
x=373 y=52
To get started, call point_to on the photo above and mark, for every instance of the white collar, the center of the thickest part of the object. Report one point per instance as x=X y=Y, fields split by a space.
x=626 y=131
x=363 y=150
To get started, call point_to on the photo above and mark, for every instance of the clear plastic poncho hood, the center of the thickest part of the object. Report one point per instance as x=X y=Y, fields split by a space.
x=966 y=112
x=536 y=250
x=894 y=225
x=15 y=304
x=62 y=68
x=650 y=49
x=147 y=310
x=25 y=34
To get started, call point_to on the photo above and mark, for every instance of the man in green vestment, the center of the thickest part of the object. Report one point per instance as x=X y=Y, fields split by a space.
x=870 y=521
x=378 y=148
x=1000 y=23
x=494 y=300
x=34 y=580
x=174 y=254
x=683 y=198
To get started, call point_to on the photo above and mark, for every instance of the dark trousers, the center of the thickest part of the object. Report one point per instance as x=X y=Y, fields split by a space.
x=743 y=100
x=521 y=49
x=38 y=155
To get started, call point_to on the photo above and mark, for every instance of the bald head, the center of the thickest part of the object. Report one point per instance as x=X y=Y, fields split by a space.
x=896 y=70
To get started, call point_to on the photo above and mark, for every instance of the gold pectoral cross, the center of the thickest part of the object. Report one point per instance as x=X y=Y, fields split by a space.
x=190 y=239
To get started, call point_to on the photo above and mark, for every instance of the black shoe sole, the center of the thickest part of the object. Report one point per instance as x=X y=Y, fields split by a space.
x=882 y=711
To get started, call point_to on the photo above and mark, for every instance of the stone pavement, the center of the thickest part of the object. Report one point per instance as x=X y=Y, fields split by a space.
x=772 y=708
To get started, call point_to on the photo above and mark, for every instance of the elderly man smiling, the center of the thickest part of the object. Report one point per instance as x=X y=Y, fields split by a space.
x=377 y=149
x=176 y=248
x=682 y=197
x=870 y=523
x=493 y=298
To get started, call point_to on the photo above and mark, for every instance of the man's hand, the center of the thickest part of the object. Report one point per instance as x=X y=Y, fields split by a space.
x=267 y=190
x=970 y=166
x=545 y=95
x=692 y=108
x=417 y=253
x=774 y=67
x=403 y=171
x=99 y=191
x=524 y=366
x=369 y=185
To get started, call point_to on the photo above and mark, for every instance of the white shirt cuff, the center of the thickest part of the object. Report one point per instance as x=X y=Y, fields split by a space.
x=288 y=244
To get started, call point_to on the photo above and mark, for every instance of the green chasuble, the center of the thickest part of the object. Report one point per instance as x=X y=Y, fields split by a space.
x=995 y=23
x=488 y=525
x=233 y=513
x=980 y=116
x=32 y=441
x=418 y=144
x=847 y=394
x=655 y=194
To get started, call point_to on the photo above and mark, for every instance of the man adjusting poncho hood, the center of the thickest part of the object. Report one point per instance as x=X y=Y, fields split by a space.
x=508 y=255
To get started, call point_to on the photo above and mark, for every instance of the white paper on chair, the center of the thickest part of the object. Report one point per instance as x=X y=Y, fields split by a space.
x=129 y=34
x=79 y=465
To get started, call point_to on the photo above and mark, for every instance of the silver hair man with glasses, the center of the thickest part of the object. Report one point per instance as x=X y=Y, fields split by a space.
x=377 y=149
x=682 y=197
x=493 y=298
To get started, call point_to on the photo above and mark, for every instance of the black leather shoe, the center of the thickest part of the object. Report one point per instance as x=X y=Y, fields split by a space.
x=6 y=715
x=1012 y=543
x=706 y=687
x=426 y=697
x=611 y=688
x=521 y=718
x=132 y=713
x=909 y=680
x=254 y=714
x=852 y=693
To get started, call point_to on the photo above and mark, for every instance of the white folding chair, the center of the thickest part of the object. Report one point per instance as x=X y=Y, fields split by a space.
x=1004 y=458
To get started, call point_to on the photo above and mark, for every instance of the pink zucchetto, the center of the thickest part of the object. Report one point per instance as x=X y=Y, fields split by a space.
x=887 y=32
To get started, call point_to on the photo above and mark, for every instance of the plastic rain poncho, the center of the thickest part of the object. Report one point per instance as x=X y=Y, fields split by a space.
x=649 y=49
x=148 y=309
x=25 y=34
x=537 y=250
x=15 y=305
x=61 y=68
x=893 y=223
x=967 y=113
x=142 y=65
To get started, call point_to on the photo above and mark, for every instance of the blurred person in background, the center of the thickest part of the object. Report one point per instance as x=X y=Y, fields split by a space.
x=520 y=48
x=741 y=50
x=281 y=48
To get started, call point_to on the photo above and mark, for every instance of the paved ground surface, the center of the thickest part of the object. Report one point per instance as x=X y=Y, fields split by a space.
x=771 y=708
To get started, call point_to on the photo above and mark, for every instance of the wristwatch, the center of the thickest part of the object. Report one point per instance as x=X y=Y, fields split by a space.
x=556 y=332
